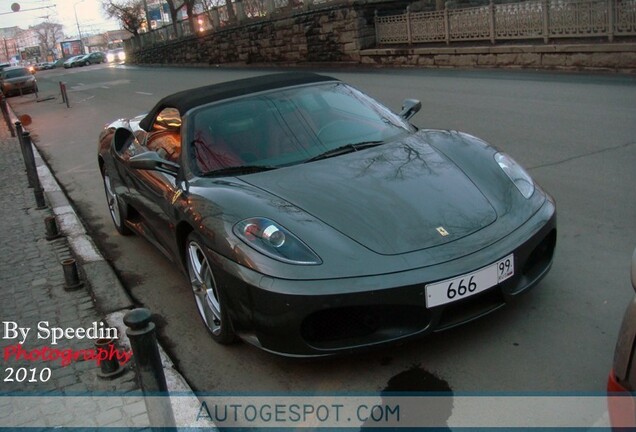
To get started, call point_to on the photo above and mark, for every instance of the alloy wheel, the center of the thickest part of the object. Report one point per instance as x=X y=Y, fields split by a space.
x=113 y=202
x=204 y=288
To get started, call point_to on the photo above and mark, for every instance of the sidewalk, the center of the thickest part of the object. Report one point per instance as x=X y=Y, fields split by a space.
x=31 y=293
x=54 y=377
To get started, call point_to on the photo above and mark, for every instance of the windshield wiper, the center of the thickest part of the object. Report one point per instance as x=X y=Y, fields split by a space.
x=241 y=169
x=347 y=148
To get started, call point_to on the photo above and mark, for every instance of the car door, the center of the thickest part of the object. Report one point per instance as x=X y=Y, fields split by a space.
x=156 y=192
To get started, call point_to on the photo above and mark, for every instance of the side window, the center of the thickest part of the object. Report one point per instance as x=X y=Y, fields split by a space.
x=165 y=136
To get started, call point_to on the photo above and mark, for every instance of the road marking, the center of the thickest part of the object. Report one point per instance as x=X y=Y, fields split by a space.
x=144 y=93
x=83 y=87
x=80 y=168
x=86 y=99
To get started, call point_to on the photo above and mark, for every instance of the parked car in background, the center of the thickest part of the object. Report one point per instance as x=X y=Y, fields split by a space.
x=44 y=66
x=17 y=80
x=72 y=61
x=92 y=58
x=116 y=55
x=622 y=379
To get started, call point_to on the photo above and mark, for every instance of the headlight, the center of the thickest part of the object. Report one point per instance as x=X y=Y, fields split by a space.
x=516 y=173
x=122 y=56
x=271 y=239
x=110 y=57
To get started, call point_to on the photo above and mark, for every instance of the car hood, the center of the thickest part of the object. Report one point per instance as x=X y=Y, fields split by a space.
x=397 y=198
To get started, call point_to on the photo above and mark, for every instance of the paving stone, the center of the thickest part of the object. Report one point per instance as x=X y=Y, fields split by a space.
x=135 y=408
x=67 y=380
x=32 y=290
x=108 y=417
x=53 y=406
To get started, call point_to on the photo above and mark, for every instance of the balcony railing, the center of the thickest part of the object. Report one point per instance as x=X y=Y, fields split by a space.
x=535 y=19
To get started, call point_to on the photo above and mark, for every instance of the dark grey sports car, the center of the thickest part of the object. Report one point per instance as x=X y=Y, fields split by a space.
x=312 y=220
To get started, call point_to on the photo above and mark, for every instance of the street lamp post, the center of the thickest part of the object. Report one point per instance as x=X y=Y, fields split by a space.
x=78 y=26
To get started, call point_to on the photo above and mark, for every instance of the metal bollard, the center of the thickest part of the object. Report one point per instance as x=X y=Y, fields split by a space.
x=5 y=113
x=148 y=366
x=19 y=131
x=52 y=230
x=72 y=280
x=64 y=94
x=32 y=172
x=109 y=368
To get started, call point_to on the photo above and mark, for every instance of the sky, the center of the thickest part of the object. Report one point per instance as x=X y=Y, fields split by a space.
x=90 y=15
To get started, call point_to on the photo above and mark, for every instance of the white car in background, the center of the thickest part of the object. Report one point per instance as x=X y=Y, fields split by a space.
x=116 y=55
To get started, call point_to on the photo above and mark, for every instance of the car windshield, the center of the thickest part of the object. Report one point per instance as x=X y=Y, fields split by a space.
x=288 y=127
x=15 y=73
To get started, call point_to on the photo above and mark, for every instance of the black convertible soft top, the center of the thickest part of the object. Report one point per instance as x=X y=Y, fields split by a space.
x=185 y=100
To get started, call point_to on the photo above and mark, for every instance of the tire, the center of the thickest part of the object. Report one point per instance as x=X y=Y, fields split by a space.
x=115 y=206
x=208 y=296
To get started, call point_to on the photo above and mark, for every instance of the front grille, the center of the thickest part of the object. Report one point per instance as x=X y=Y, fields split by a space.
x=362 y=325
x=468 y=309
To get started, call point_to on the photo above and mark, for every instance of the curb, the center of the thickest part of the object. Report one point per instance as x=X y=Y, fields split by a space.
x=108 y=293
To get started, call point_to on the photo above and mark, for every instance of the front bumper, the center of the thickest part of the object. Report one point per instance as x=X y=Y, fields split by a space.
x=380 y=309
x=15 y=88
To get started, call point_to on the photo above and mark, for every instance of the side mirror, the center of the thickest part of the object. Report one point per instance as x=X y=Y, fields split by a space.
x=152 y=161
x=410 y=107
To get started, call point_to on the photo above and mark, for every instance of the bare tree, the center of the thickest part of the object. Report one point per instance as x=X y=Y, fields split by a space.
x=189 y=5
x=175 y=6
x=208 y=5
x=130 y=13
x=49 y=34
x=230 y=11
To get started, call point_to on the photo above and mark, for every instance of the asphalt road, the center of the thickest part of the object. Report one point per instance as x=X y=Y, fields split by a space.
x=575 y=133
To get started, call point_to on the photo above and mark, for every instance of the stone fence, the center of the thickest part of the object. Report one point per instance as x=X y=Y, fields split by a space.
x=328 y=32
x=343 y=32
x=612 y=57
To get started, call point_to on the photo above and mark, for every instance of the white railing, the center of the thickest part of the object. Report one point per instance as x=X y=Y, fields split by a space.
x=534 y=19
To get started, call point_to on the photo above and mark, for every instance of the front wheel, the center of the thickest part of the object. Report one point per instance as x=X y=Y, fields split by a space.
x=208 y=296
x=115 y=207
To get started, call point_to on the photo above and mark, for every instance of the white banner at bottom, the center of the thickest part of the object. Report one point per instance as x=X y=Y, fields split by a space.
x=276 y=411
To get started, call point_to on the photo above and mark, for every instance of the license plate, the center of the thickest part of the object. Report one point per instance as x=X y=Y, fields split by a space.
x=469 y=284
